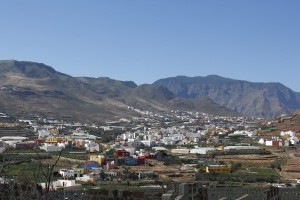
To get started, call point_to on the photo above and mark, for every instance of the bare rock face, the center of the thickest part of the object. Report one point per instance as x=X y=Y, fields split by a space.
x=29 y=88
x=248 y=98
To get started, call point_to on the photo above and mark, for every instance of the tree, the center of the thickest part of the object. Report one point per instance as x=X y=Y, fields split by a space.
x=102 y=175
x=47 y=172
x=126 y=173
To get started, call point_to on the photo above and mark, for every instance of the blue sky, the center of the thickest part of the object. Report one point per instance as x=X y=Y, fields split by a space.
x=144 y=41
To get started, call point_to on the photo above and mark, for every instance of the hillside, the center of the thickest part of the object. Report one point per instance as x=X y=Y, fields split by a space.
x=248 y=98
x=29 y=88
x=33 y=88
x=291 y=122
x=159 y=98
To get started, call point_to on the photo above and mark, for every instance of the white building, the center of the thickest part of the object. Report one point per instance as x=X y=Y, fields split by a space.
x=85 y=178
x=43 y=133
x=50 y=147
x=135 y=142
x=131 y=150
x=147 y=143
x=269 y=143
x=172 y=139
x=66 y=173
x=290 y=133
x=202 y=150
x=61 y=184
x=243 y=133
x=261 y=141
x=92 y=146
x=160 y=148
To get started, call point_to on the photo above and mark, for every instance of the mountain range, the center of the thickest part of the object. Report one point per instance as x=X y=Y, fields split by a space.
x=30 y=88
x=247 y=98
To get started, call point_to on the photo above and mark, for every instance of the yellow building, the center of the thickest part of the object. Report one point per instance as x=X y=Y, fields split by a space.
x=51 y=140
x=54 y=140
x=98 y=158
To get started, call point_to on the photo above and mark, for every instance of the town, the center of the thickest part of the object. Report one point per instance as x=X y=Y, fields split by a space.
x=156 y=155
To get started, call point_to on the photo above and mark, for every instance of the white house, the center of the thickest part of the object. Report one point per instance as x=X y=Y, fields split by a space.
x=290 y=133
x=135 y=142
x=66 y=173
x=147 y=143
x=168 y=141
x=50 y=147
x=243 y=133
x=43 y=133
x=261 y=141
x=172 y=139
x=61 y=184
x=85 y=178
x=269 y=143
x=92 y=146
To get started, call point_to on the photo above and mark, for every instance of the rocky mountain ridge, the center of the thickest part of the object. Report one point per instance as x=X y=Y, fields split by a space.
x=248 y=98
x=29 y=88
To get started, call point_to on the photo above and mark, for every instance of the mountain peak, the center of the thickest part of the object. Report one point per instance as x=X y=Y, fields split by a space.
x=213 y=76
x=29 y=69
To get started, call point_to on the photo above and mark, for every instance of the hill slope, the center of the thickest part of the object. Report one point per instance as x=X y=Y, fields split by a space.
x=155 y=97
x=248 y=98
x=29 y=88
x=34 y=88
x=291 y=122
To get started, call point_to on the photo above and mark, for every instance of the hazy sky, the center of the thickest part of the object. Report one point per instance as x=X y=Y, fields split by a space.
x=142 y=41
